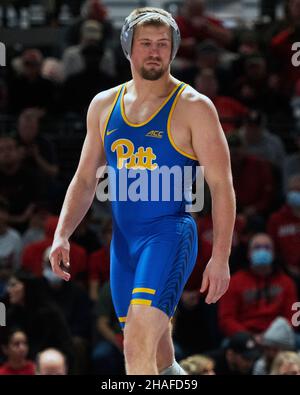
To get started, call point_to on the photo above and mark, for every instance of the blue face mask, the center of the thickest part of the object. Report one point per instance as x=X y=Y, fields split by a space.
x=261 y=257
x=293 y=199
x=51 y=276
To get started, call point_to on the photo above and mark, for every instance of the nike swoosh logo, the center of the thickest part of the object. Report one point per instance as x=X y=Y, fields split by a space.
x=110 y=132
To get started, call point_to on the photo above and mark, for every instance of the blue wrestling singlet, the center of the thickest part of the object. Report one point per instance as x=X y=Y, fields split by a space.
x=154 y=242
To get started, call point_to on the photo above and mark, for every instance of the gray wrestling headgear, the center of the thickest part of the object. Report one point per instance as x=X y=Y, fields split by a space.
x=128 y=28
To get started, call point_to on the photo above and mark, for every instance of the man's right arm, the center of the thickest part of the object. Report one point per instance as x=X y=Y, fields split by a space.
x=81 y=191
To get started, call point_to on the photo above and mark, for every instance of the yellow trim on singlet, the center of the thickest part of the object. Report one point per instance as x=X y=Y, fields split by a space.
x=122 y=319
x=169 y=127
x=136 y=125
x=144 y=290
x=110 y=112
x=141 y=301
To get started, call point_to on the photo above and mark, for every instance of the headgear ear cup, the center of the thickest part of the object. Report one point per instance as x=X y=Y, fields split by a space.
x=128 y=28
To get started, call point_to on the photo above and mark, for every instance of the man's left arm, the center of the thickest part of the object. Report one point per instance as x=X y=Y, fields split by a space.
x=211 y=149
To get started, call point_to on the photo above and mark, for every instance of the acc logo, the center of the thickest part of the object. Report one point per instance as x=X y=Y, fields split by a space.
x=141 y=159
x=155 y=133
x=2 y=54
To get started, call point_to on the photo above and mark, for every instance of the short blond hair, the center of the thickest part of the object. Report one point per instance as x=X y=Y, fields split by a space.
x=197 y=364
x=282 y=358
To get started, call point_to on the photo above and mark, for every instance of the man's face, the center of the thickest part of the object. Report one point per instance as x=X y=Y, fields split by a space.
x=9 y=152
x=28 y=125
x=151 y=51
x=258 y=243
x=294 y=10
x=239 y=363
x=18 y=346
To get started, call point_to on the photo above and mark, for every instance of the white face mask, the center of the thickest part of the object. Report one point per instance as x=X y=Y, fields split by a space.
x=51 y=276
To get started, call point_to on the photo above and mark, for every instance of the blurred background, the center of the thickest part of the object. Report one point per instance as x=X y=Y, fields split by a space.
x=59 y=54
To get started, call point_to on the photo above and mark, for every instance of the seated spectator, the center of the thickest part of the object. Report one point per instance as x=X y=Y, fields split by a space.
x=205 y=235
x=195 y=327
x=230 y=111
x=195 y=26
x=37 y=151
x=30 y=89
x=17 y=179
x=258 y=294
x=15 y=348
x=253 y=180
x=79 y=89
x=107 y=354
x=99 y=263
x=36 y=227
x=284 y=228
x=85 y=236
x=286 y=363
x=259 y=142
x=237 y=357
x=278 y=337
x=198 y=365
x=74 y=303
x=10 y=246
x=51 y=362
x=28 y=307
x=91 y=10
x=208 y=56
x=32 y=258
x=90 y=34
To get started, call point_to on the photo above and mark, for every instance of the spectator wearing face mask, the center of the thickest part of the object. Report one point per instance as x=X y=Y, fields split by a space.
x=258 y=294
x=278 y=337
x=284 y=227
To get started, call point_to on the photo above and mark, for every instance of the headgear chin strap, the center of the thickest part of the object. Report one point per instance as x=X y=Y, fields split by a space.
x=128 y=28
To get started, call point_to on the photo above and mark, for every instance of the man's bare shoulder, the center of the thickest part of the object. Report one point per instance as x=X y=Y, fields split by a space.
x=193 y=100
x=105 y=98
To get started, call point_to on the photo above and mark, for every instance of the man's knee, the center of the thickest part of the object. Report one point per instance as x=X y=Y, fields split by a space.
x=141 y=336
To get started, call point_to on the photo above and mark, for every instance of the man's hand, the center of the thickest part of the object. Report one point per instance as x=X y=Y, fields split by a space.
x=59 y=258
x=216 y=279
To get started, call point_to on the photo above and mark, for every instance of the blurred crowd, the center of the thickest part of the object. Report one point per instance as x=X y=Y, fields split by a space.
x=54 y=327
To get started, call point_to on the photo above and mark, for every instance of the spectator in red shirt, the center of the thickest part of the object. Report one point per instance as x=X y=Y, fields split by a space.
x=230 y=111
x=284 y=228
x=99 y=263
x=32 y=259
x=195 y=25
x=15 y=347
x=257 y=295
x=253 y=180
